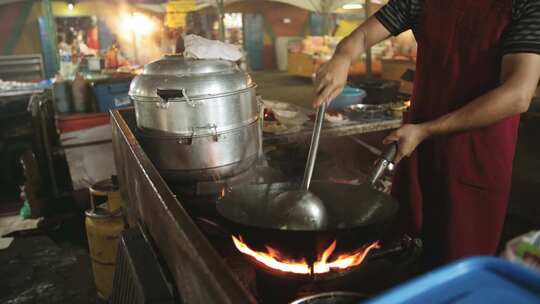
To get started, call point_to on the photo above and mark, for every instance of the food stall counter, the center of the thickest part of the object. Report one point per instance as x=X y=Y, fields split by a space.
x=305 y=65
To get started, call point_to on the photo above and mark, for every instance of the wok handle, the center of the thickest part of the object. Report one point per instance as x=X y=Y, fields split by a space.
x=405 y=246
x=385 y=162
x=314 y=147
x=391 y=153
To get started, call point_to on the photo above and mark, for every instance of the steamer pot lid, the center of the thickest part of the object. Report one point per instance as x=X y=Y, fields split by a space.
x=198 y=78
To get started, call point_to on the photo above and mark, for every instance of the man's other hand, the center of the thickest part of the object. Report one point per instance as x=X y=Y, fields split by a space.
x=408 y=137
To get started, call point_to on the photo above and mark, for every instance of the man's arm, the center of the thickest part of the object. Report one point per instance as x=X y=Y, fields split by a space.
x=332 y=76
x=519 y=78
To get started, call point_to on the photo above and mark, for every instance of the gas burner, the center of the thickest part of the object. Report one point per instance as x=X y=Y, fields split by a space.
x=328 y=264
x=365 y=278
x=394 y=262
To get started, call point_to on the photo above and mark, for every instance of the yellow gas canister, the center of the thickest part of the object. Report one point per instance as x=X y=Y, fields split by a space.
x=103 y=227
x=106 y=191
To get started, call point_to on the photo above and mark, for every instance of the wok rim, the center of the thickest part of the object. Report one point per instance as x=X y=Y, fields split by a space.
x=380 y=220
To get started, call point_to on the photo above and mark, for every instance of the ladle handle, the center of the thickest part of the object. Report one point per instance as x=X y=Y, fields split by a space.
x=314 y=147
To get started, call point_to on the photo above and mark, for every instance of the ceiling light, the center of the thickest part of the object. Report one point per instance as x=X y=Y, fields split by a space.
x=137 y=22
x=351 y=6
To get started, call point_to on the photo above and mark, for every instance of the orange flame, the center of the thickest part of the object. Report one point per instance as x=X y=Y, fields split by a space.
x=275 y=260
x=222 y=193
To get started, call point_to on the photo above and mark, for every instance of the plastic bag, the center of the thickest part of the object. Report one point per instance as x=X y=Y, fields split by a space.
x=525 y=250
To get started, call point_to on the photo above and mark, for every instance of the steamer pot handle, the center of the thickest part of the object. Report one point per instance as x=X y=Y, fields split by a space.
x=195 y=132
x=211 y=127
x=167 y=94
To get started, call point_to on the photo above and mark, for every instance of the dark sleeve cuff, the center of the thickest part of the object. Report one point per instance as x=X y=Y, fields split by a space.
x=383 y=18
x=516 y=48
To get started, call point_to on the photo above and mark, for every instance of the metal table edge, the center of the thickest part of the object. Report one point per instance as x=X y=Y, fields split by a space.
x=211 y=263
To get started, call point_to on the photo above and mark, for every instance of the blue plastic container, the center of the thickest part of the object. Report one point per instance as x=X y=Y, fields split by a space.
x=111 y=94
x=348 y=97
x=475 y=280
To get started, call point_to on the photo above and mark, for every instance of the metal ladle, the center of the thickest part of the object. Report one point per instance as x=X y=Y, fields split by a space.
x=300 y=209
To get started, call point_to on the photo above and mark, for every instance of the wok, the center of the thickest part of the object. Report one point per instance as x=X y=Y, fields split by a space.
x=357 y=214
x=348 y=206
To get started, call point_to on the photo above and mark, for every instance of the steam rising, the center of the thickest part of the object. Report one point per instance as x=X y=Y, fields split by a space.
x=139 y=33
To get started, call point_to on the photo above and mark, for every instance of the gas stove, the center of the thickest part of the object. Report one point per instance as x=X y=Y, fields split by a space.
x=374 y=275
x=394 y=261
x=202 y=263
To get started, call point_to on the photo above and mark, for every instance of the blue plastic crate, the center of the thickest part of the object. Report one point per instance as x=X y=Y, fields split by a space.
x=476 y=280
x=111 y=94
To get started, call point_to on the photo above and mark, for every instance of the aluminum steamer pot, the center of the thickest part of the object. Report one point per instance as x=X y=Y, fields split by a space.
x=197 y=119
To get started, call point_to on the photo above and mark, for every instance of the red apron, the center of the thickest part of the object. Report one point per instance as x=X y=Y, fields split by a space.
x=454 y=189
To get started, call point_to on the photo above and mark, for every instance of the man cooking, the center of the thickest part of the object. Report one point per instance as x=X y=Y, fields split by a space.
x=477 y=68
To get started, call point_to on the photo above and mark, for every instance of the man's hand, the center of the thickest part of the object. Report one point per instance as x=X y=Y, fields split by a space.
x=331 y=79
x=332 y=76
x=408 y=137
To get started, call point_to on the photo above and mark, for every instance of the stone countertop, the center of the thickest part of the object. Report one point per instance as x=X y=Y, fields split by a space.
x=352 y=127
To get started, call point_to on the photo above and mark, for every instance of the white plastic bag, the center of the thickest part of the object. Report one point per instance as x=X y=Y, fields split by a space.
x=525 y=250
x=201 y=48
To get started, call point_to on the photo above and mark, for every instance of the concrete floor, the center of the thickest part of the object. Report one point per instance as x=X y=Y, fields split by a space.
x=48 y=266
x=55 y=268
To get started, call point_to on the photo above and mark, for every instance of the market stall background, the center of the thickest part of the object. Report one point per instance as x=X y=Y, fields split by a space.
x=284 y=42
x=267 y=24
x=85 y=54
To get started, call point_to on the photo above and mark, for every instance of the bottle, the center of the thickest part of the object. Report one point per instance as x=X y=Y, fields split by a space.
x=66 y=66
